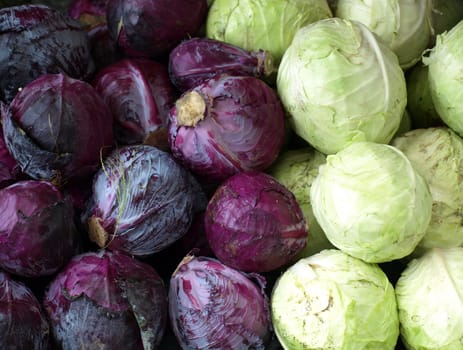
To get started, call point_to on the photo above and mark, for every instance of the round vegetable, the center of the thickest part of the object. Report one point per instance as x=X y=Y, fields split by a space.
x=405 y=25
x=296 y=169
x=36 y=40
x=22 y=322
x=213 y=306
x=139 y=94
x=142 y=201
x=37 y=231
x=263 y=24
x=226 y=125
x=108 y=299
x=58 y=128
x=340 y=85
x=437 y=154
x=151 y=28
x=445 y=74
x=196 y=60
x=254 y=223
x=429 y=300
x=331 y=300
x=371 y=202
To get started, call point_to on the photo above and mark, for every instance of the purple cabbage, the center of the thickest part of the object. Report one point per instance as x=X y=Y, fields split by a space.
x=213 y=306
x=88 y=12
x=58 y=129
x=227 y=125
x=37 y=231
x=254 y=223
x=139 y=94
x=196 y=60
x=36 y=40
x=151 y=28
x=9 y=169
x=103 y=50
x=107 y=300
x=23 y=324
x=142 y=201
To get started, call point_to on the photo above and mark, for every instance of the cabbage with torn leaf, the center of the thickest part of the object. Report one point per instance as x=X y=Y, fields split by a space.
x=332 y=300
x=340 y=85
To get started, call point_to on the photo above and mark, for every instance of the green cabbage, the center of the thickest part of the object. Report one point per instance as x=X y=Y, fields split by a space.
x=405 y=25
x=262 y=24
x=371 y=202
x=341 y=85
x=437 y=154
x=296 y=169
x=429 y=295
x=445 y=75
x=331 y=300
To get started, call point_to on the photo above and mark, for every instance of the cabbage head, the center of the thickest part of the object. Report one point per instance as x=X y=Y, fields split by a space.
x=405 y=25
x=296 y=169
x=340 y=84
x=445 y=75
x=332 y=300
x=429 y=299
x=437 y=154
x=371 y=202
x=262 y=24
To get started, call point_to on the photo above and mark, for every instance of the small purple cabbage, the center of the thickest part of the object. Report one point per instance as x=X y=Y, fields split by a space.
x=36 y=40
x=23 y=324
x=254 y=223
x=107 y=300
x=194 y=61
x=213 y=306
x=227 y=125
x=142 y=201
x=139 y=94
x=151 y=28
x=37 y=231
x=58 y=129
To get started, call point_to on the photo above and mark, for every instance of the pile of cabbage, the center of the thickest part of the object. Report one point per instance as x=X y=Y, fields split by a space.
x=267 y=174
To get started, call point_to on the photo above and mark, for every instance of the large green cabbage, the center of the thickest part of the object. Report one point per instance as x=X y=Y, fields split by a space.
x=331 y=300
x=405 y=25
x=263 y=24
x=371 y=202
x=340 y=85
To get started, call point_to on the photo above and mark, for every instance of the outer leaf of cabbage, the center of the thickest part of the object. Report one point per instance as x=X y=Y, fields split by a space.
x=405 y=25
x=262 y=24
x=341 y=85
x=429 y=295
x=371 y=202
x=445 y=64
x=331 y=300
